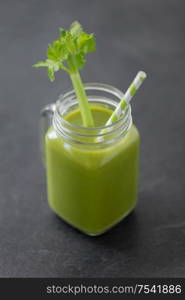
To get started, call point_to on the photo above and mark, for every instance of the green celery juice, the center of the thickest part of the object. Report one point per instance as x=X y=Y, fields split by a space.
x=92 y=188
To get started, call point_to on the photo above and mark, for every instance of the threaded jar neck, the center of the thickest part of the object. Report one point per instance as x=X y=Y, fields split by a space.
x=102 y=95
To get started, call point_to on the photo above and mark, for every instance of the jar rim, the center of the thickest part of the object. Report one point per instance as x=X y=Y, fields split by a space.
x=91 y=86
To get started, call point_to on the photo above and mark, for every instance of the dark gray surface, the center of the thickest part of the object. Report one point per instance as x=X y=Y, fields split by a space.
x=131 y=35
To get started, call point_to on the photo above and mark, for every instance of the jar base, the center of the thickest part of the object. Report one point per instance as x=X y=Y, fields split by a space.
x=99 y=233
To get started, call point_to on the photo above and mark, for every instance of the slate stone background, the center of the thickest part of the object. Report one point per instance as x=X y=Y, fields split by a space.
x=131 y=35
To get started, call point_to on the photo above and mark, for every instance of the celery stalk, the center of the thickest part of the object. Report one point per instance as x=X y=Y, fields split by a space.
x=68 y=53
x=86 y=114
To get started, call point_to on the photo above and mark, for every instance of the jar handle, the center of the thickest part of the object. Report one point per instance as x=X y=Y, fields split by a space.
x=46 y=116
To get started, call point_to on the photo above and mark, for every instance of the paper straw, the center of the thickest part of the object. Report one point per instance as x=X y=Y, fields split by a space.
x=134 y=86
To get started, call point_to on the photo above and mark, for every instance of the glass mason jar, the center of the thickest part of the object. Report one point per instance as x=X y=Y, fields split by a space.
x=92 y=173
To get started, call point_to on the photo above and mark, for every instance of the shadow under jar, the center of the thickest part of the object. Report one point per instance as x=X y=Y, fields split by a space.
x=92 y=173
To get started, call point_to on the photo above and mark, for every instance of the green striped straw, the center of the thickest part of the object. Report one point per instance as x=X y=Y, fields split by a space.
x=134 y=86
